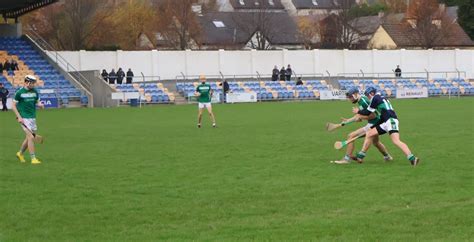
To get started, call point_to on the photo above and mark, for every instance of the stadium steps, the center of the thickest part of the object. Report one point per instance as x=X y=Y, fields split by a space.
x=179 y=99
x=171 y=86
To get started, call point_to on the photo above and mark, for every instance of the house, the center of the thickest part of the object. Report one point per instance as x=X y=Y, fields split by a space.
x=249 y=30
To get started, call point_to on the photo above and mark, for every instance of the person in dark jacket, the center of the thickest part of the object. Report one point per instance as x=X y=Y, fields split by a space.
x=14 y=65
x=112 y=76
x=299 y=82
x=129 y=76
x=3 y=97
x=289 y=72
x=105 y=75
x=275 y=73
x=282 y=73
x=120 y=76
x=225 y=89
x=398 y=71
x=7 y=65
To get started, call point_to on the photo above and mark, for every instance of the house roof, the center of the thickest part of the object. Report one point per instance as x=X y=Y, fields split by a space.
x=257 y=4
x=406 y=37
x=220 y=28
x=367 y=24
x=321 y=4
x=236 y=28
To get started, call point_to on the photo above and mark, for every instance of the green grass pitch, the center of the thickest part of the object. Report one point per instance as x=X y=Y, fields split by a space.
x=264 y=174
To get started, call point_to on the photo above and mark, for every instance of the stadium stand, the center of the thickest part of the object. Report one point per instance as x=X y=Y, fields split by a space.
x=436 y=87
x=281 y=90
x=30 y=62
x=266 y=90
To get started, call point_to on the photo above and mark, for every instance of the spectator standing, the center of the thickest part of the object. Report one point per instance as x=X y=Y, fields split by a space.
x=7 y=65
x=112 y=76
x=3 y=97
x=398 y=71
x=129 y=76
x=275 y=73
x=225 y=89
x=282 y=73
x=289 y=72
x=14 y=65
x=120 y=76
x=105 y=75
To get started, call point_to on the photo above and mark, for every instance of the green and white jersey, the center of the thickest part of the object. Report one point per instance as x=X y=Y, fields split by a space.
x=26 y=100
x=205 y=93
x=364 y=103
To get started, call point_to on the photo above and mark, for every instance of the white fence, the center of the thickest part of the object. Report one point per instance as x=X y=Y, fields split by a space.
x=170 y=64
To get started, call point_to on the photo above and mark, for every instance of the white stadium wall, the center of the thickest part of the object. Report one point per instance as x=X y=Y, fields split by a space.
x=173 y=64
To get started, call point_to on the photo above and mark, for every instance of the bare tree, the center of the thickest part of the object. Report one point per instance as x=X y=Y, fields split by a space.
x=427 y=25
x=131 y=20
x=309 y=30
x=80 y=22
x=337 y=30
x=178 y=24
x=260 y=24
x=69 y=25
x=395 y=6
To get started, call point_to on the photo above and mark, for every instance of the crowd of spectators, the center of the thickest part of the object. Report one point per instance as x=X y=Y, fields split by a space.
x=113 y=77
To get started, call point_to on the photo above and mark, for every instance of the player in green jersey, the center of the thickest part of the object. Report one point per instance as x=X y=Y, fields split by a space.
x=362 y=102
x=24 y=106
x=388 y=124
x=204 y=94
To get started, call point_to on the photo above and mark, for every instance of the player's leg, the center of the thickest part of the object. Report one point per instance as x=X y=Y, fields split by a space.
x=23 y=148
x=211 y=115
x=383 y=150
x=31 y=124
x=395 y=137
x=369 y=137
x=201 y=107
x=350 y=147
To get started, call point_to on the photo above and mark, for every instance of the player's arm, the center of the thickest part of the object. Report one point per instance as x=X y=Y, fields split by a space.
x=15 y=109
x=370 y=111
x=355 y=118
x=39 y=103
x=196 y=92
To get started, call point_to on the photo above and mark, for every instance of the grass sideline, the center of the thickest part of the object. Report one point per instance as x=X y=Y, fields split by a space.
x=263 y=174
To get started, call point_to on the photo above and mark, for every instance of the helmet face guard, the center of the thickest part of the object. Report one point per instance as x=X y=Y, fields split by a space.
x=370 y=90
x=352 y=91
x=30 y=79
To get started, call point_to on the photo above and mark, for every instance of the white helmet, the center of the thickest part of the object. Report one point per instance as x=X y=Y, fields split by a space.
x=30 y=78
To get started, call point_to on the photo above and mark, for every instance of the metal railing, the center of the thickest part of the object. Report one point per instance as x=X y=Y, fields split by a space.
x=426 y=74
x=44 y=46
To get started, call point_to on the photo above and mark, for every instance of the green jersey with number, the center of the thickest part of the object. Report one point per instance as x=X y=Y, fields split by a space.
x=26 y=100
x=205 y=93
x=364 y=103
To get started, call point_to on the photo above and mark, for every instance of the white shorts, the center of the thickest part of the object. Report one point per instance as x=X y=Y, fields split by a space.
x=30 y=123
x=389 y=126
x=204 y=105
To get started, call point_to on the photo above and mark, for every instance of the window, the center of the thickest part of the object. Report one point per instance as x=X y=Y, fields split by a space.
x=315 y=3
x=271 y=2
x=257 y=3
x=241 y=2
x=218 y=24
